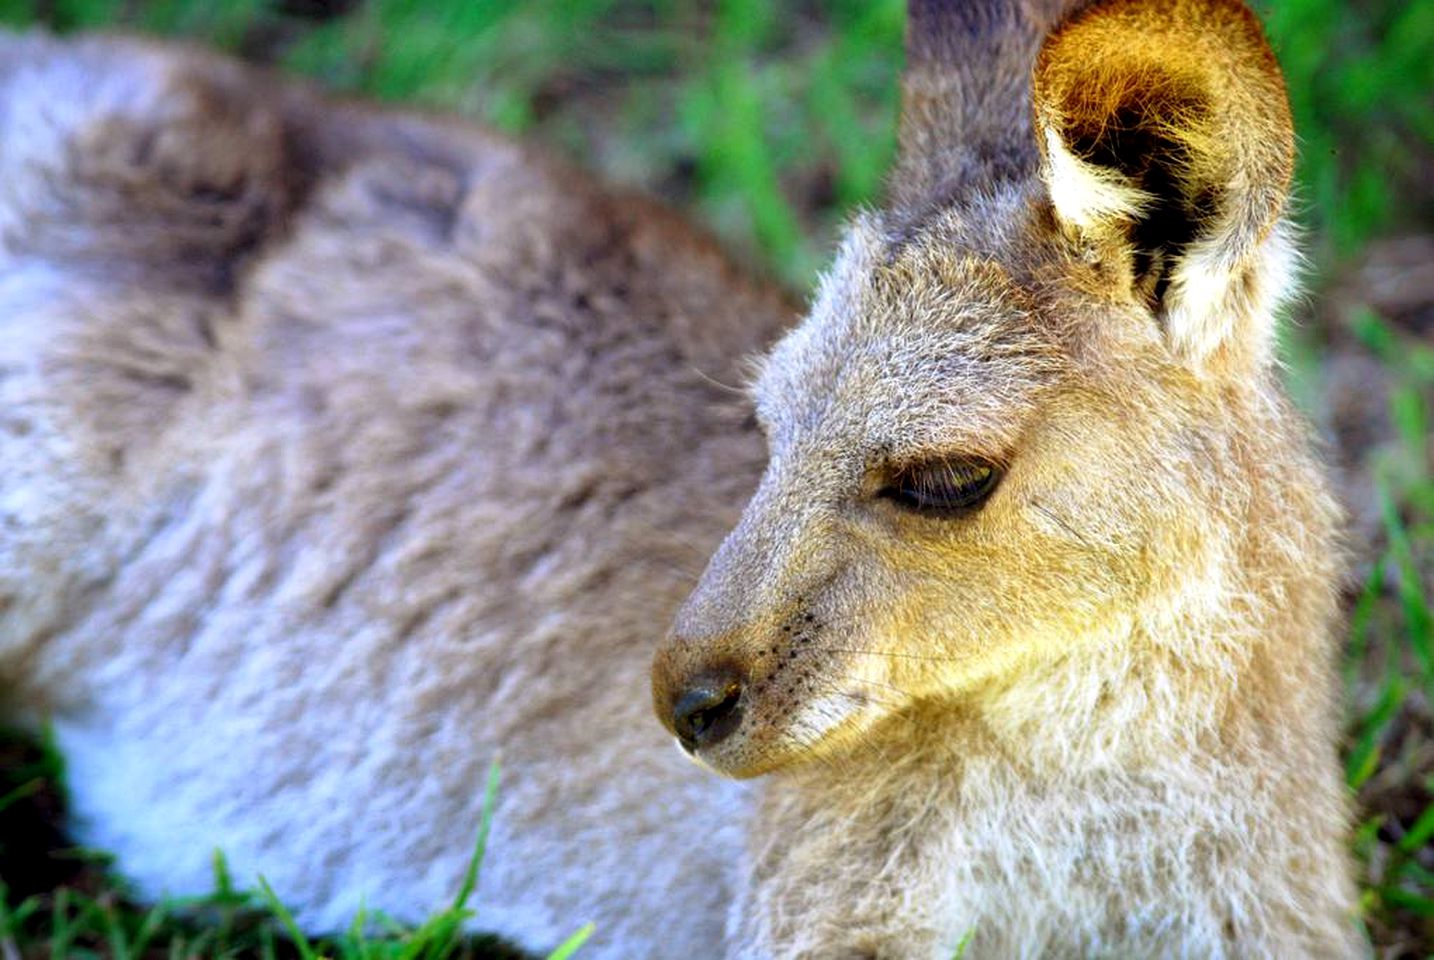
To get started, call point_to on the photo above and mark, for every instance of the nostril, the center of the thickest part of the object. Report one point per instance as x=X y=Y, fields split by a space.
x=708 y=710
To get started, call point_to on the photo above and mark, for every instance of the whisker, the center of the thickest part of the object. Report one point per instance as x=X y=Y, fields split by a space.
x=888 y=653
x=1059 y=521
x=878 y=683
x=718 y=383
x=830 y=685
x=861 y=697
x=669 y=536
x=671 y=569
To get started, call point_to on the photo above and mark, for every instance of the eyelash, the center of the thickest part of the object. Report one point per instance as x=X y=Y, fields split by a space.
x=943 y=487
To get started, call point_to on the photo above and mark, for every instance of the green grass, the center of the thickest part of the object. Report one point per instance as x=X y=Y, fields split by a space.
x=769 y=121
x=1389 y=666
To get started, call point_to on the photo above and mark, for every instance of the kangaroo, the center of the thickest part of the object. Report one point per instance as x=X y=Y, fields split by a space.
x=342 y=450
x=1030 y=619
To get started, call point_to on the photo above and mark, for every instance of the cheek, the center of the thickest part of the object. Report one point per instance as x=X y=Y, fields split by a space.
x=929 y=606
x=959 y=608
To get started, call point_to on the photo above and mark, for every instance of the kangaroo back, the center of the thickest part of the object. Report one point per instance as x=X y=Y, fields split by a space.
x=341 y=452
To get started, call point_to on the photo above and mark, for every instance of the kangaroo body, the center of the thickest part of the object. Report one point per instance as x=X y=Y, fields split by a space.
x=343 y=451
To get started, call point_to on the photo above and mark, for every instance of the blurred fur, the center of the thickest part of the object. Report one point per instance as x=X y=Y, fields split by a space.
x=342 y=451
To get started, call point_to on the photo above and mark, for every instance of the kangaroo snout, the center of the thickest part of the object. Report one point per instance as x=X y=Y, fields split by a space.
x=697 y=691
x=707 y=707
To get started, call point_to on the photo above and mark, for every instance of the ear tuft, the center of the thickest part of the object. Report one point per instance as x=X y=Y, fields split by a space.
x=1166 y=139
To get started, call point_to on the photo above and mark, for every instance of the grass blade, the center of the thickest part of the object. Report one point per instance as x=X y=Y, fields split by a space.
x=1420 y=833
x=570 y=946
x=301 y=943
x=1363 y=758
x=480 y=847
x=1417 y=619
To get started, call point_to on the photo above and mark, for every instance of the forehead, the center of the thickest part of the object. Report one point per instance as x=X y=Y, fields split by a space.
x=913 y=342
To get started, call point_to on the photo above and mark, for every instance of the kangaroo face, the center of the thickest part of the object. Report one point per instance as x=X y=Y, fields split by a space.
x=947 y=492
x=1000 y=434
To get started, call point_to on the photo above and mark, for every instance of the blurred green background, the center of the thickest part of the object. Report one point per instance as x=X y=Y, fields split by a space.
x=770 y=119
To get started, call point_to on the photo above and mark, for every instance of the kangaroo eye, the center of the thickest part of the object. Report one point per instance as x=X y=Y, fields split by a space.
x=942 y=486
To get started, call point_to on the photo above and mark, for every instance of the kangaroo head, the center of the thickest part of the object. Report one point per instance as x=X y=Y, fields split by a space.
x=1014 y=422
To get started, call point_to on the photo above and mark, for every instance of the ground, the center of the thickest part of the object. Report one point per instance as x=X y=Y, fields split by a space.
x=769 y=120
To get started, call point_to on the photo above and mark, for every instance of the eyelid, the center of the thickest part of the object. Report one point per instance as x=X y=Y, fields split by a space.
x=889 y=467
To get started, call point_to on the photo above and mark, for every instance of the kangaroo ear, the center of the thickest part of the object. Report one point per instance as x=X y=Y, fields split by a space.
x=1166 y=142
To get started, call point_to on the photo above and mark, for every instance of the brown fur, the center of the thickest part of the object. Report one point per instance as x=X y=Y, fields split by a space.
x=1093 y=716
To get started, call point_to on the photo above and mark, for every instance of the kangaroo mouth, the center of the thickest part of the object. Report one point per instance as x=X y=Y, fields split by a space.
x=759 y=737
x=777 y=701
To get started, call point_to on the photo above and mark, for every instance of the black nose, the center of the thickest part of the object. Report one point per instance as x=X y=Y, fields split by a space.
x=708 y=709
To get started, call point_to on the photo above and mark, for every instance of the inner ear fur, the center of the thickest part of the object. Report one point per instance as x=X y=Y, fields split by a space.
x=1165 y=138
